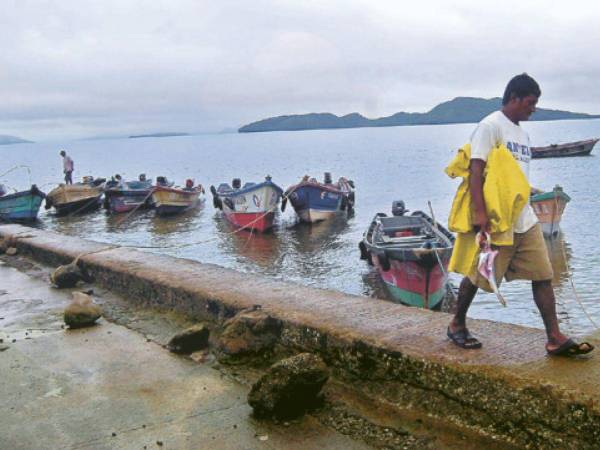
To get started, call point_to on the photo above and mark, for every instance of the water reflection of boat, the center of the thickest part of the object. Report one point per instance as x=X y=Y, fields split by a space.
x=558 y=250
x=549 y=208
x=181 y=223
x=263 y=249
x=318 y=237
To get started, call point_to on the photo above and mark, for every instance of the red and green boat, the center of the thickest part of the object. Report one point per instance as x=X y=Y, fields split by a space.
x=411 y=254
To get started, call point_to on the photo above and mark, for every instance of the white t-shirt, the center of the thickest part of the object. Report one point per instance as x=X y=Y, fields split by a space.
x=497 y=129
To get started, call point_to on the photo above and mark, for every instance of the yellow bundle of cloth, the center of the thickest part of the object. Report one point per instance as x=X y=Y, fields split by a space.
x=505 y=191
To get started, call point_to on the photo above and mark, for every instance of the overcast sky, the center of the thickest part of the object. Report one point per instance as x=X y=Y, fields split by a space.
x=78 y=68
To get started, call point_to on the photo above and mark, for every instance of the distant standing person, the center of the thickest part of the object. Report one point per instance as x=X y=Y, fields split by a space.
x=68 y=167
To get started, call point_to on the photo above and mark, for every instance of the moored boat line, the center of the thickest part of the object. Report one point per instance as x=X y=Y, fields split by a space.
x=124 y=196
x=549 y=208
x=170 y=200
x=251 y=206
x=78 y=197
x=314 y=201
x=20 y=206
x=411 y=254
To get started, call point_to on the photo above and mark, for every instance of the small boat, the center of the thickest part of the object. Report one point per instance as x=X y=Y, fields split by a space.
x=314 y=201
x=123 y=196
x=549 y=208
x=169 y=199
x=579 y=148
x=20 y=206
x=411 y=254
x=250 y=207
x=76 y=198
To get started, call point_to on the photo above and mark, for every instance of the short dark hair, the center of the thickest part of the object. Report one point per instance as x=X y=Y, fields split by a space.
x=521 y=86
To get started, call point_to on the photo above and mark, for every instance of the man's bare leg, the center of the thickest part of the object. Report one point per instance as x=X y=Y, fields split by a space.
x=543 y=294
x=466 y=294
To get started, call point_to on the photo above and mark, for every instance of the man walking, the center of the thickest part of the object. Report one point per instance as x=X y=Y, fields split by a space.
x=68 y=167
x=527 y=258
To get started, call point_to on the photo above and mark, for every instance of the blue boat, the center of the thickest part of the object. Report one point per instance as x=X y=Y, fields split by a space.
x=314 y=201
x=124 y=196
x=21 y=206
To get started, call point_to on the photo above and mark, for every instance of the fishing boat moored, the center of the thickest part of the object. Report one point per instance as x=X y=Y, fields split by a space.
x=76 y=198
x=169 y=200
x=549 y=208
x=411 y=254
x=20 y=206
x=314 y=201
x=251 y=207
x=123 y=196
x=579 y=148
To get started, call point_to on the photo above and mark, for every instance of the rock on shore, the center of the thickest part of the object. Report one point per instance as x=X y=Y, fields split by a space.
x=81 y=312
x=250 y=334
x=290 y=387
x=190 y=340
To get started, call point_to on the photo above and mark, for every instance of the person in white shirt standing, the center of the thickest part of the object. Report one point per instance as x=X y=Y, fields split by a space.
x=527 y=258
x=68 y=167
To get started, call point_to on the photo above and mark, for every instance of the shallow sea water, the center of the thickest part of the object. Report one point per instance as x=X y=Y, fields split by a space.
x=386 y=164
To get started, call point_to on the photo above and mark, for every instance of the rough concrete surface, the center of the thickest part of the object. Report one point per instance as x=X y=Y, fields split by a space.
x=509 y=391
x=108 y=387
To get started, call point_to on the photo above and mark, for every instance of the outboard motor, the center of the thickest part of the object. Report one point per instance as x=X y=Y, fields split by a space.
x=398 y=208
x=327 y=177
x=162 y=181
x=142 y=177
x=236 y=183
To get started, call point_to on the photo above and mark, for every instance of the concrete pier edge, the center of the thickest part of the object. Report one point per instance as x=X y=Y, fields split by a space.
x=398 y=356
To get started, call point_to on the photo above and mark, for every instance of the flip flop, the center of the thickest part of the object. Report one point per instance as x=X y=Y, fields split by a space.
x=464 y=339
x=571 y=348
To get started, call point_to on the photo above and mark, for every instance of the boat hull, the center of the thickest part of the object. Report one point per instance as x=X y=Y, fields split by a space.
x=74 y=198
x=259 y=221
x=413 y=284
x=21 y=206
x=170 y=201
x=314 y=203
x=125 y=201
x=580 y=148
x=549 y=208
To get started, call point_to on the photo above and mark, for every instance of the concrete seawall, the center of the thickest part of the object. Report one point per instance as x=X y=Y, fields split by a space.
x=400 y=357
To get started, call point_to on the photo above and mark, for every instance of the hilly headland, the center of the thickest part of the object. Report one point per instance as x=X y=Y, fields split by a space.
x=458 y=110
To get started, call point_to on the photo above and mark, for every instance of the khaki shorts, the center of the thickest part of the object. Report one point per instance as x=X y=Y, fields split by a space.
x=526 y=259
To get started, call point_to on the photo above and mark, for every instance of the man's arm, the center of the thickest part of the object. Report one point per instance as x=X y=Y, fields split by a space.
x=480 y=221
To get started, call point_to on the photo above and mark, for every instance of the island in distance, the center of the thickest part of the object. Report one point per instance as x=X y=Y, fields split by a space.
x=158 y=135
x=458 y=110
x=7 y=140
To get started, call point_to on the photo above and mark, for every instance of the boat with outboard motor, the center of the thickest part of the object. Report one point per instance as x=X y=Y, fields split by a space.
x=251 y=206
x=123 y=196
x=549 y=208
x=20 y=206
x=314 y=201
x=169 y=199
x=77 y=197
x=411 y=254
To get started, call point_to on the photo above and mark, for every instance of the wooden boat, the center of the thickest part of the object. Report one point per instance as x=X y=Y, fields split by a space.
x=411 y=254
x=76 y=198
x=579 y=148
x=314 y=201
x=124 y=196
x=169 y=200
x=549 y=208
x=252 y=206
x=20 y=206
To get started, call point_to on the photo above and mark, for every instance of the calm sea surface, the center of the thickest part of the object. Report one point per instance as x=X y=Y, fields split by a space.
x=386 y=164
